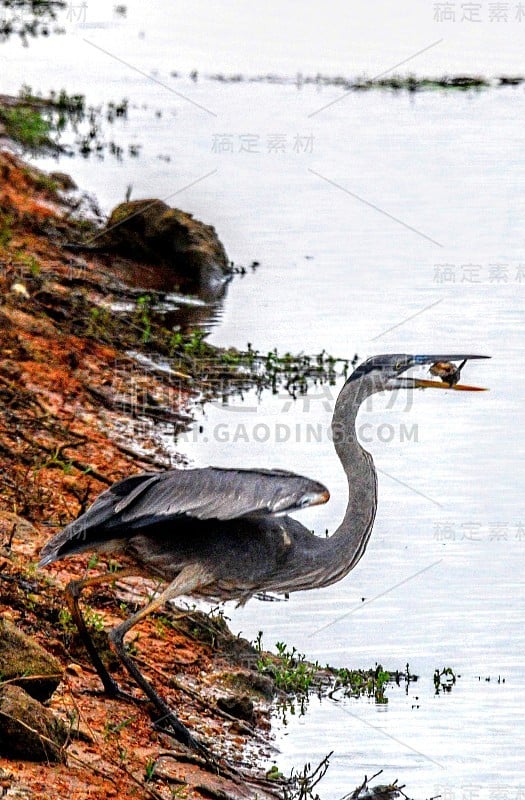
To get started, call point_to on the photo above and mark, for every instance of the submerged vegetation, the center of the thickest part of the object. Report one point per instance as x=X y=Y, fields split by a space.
x=396 y=82
x=27 y=127
x=298 y=678
x=444 y=680
x=63 y=123
x=29 y=18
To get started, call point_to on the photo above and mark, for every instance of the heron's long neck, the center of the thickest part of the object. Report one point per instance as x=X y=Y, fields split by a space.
x=348 y=543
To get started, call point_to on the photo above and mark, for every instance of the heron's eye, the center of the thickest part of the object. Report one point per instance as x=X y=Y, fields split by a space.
x=399 y=364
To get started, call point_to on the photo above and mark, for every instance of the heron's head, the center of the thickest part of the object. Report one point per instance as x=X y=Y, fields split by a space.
x=385 y=372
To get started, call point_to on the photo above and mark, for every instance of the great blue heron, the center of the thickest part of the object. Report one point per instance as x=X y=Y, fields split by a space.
x=225 y=533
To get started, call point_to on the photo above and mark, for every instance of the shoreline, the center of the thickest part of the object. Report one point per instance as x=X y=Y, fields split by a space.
x=64 y=427
x=72 y=395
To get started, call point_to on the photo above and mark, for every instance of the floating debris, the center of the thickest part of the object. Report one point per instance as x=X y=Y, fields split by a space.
x=396 y=82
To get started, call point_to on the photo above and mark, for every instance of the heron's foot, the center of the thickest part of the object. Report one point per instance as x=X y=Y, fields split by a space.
x=126 y=697
x=172 y=726
x=114 y=692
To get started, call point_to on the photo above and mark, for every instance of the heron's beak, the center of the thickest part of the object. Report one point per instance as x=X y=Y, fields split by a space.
x=417 y=360
x=421 y=383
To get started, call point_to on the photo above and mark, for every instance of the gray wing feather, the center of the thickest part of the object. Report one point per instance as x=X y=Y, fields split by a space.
x=209 y=493
x=214 y=493
x=141 y=487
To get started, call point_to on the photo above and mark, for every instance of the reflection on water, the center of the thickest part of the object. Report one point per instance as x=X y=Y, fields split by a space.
x=178 y=312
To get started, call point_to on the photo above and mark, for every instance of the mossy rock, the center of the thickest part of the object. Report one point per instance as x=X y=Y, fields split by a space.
x=253 y=683
x=64 y=181
x=151 y=231
x=25 y=662
x=239 y=706
x=28 y=730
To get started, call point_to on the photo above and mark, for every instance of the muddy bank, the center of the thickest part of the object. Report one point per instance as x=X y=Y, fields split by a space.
x=68 y=402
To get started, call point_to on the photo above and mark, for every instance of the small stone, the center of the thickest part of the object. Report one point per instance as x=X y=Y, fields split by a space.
x=262 y=684
x=20 y=289
x=74 y=669
x=65 y=181
x=237 y=706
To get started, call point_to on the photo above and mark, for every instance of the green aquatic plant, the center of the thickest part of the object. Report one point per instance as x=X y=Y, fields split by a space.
x=358 y=683
x=297 y=679
x=290 y=670
x=26 y=126
x=37 y=122
x=444 y=680
x=143 y=315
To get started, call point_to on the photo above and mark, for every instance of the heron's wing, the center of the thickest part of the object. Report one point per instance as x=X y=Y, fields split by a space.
x=213 y=493
x=209 y=493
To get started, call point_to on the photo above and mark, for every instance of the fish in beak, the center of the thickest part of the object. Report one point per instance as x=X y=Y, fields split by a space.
x=442 y=366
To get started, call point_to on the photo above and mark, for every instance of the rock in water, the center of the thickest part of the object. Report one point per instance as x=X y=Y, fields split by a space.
x=151 y=231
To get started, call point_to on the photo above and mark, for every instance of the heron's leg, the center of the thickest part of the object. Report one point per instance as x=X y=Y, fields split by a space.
x=73 y=592
x=186 y=582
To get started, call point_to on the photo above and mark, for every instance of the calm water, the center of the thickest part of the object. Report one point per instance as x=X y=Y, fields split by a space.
x=317 y=209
